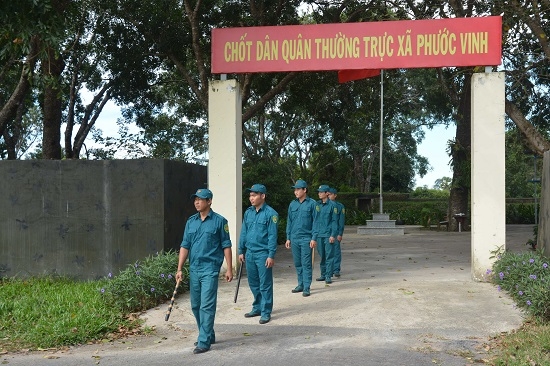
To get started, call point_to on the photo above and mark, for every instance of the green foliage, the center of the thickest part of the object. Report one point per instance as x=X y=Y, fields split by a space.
x=520 y=213
x=52 y=312
x=277 y=181
x=424 y=192
x=443 y=184
x=351 y=115
x=417 y=212
x=422 y=206
x=356 y=217
x=329 y=165
x=426 y=216
x=521 y=165
x=526 y=278
x=144 y=284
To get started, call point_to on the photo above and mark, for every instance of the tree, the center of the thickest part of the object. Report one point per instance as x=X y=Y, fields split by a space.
x=154 y=53
x=20 y=47
x=527 y=59
x=62 y=14
x=520 y=166
x=153 y=57
x=443 y=184
x=54 y=35
x=178 y=35
x=456 y=84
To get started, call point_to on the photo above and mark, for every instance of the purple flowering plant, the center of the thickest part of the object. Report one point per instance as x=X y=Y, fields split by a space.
x=144 y=284
x=524 y=276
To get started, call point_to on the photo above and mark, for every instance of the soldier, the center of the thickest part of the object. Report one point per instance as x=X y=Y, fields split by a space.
x=299 y=234
x=341 y=223
x=257 y=245
x=206 y=242
x=325 y=232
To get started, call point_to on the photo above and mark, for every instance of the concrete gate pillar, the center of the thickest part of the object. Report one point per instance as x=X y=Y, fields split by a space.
x=488 y=197
x=543 y=235
x=225 y=154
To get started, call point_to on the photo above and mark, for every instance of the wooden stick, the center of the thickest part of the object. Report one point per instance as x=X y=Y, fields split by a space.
x=172 y=302
x=241 y=264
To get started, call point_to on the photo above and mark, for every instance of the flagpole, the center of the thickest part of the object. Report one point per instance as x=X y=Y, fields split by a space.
x=381 y=134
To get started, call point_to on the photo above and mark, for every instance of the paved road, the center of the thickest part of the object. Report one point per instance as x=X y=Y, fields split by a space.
x=401 y=300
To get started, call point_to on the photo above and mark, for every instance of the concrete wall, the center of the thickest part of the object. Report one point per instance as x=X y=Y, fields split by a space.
x=85 y=219
x=543 y=237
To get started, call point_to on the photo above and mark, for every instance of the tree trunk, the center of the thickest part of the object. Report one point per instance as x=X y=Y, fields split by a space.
x=52 y=107
x=10 y=145
x=9 y=110
x=535 y=140
x=370 y=162
x=358 y=172
x=461 y=154
x=91 y=113
x=14 y=139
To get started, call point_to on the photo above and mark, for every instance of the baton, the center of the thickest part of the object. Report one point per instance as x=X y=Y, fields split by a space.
x=172 y=302
x=238 y=282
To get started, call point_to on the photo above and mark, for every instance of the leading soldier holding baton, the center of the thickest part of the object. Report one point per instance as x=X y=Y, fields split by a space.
x=205 y=242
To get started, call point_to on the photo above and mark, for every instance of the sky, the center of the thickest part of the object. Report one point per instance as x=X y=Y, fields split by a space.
x=433 y=147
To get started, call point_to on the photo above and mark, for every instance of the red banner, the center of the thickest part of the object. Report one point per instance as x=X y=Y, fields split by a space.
x=351 y=46
x=349 y=75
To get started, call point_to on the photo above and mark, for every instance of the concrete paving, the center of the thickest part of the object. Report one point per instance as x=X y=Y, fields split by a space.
x=401 y=300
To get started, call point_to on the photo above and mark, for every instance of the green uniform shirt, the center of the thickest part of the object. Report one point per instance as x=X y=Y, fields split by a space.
x=206 y=240
x=259 y=230
x=299 y=223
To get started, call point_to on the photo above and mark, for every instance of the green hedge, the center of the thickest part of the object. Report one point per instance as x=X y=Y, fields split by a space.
x=428 y=211
x=422 y=211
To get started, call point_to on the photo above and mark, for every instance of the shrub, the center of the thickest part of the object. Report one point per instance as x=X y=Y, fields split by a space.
x=356 y=217
x=423 y=192
x=145 y=284
x=520 y=213
x=526 y=277
x=417 y=212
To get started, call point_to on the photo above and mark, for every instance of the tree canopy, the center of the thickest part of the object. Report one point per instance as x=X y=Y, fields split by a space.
x=152 y=58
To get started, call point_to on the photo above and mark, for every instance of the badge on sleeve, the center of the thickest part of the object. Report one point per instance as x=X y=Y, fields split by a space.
x=275 y=219
x=226 y=228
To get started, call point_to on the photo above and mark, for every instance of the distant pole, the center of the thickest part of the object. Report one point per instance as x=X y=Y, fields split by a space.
x=381 y=134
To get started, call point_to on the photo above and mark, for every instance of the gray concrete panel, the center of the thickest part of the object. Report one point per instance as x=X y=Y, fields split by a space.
x=85 y=219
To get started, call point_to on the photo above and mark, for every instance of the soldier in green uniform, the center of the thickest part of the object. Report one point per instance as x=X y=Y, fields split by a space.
x=205 y=242
x=341 y=223
x=257 y=246
x=325 y=232
x=299 y=234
